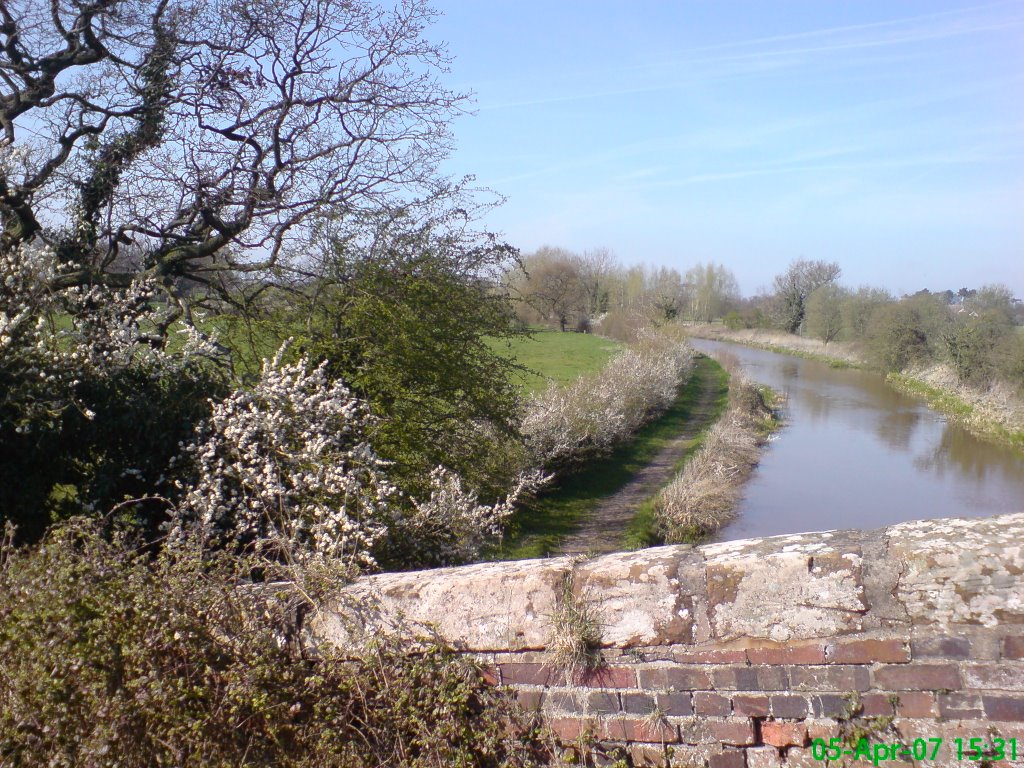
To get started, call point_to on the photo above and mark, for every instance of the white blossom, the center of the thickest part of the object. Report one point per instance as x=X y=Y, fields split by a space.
x=596 y=412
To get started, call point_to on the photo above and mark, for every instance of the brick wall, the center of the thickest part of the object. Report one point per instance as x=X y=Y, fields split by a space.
x=742 y=653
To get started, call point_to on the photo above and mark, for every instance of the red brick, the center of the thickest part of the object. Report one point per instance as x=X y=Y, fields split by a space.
x=530 y=699
x=915 y=704
x=645 y=730
x=918 y=677
x=798 y=757
x=789 y=706
x=1013 y=647
x=607 y=677
x=822 y=729
x=750 y=704
x=529 y=674
x=711 y=656
x=960 y=706
x=569 y=728
x=997 y=676
x=674 y=678
x=675 y=703
x=798 y=654
x=489 y=674
x=878 y=704
x=733 y=731
x=1004 y=708
x=867 y=651
x=647 y=756
x=779 y=734
x=707 y=703
x=760 y=678
x=831 y=678
x=730 y=758
x=943 y=647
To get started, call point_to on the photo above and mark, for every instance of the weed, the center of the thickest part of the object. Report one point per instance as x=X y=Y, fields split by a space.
x=575 y=642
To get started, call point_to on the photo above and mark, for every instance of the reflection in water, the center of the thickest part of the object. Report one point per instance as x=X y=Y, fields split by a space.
x=896 y=429
x=854 y=453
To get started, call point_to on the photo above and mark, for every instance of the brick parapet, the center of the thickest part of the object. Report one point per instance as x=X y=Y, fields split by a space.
x=744 y=653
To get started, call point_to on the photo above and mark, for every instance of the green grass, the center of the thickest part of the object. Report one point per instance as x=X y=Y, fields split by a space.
x=642 y=529
x=555 y=356
x=538 y=527
x=961 y=412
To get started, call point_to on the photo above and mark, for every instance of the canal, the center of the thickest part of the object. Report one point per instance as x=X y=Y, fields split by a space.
x=854 y=453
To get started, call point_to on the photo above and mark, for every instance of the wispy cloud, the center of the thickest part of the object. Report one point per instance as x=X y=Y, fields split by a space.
x=774 y=54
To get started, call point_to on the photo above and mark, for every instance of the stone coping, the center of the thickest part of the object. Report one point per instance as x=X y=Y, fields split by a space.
x=780 y=589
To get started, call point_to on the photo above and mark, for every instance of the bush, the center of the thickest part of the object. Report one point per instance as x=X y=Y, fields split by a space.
x=564 y=425
x=734 y=321
x=905 y=333
x=92 y=409
x=111 y=658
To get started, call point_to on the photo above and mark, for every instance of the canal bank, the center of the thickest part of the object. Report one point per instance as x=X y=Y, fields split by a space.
x=856 y=453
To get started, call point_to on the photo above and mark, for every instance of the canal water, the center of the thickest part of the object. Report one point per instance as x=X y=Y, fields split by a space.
x=854 y=453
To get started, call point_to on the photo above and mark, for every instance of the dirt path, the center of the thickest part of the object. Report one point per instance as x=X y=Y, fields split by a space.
x=603 y=530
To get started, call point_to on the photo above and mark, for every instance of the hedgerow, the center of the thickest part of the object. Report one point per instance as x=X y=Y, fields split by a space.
x=113 y=656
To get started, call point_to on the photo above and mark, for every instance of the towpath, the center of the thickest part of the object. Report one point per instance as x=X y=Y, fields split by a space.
x=604 y=528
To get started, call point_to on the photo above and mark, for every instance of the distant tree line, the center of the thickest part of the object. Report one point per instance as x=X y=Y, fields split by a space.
x=575 y=291
x=977 y=331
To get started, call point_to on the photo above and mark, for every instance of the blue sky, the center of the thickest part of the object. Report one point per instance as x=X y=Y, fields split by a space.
x=888 y=136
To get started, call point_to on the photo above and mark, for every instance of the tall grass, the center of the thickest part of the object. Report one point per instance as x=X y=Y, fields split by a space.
x=703 y=496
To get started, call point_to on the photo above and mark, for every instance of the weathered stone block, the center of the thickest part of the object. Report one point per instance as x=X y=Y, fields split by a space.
x=785 y=588
x=645 y=597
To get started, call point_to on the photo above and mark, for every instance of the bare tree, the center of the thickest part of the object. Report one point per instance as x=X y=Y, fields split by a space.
x=206 y=135
x=712 y=287
x=551 y=283
x=794 y=285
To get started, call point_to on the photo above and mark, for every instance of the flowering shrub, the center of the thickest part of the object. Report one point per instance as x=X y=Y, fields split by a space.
x=285 y=472
x=91 y=406
x=564 y=424
x=452 y=526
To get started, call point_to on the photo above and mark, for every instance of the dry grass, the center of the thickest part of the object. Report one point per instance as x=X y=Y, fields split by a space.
x=575 y=642
x=777 y=341
x=703 y=496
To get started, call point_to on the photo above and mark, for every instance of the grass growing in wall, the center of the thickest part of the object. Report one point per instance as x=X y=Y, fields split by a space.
x=538 y=528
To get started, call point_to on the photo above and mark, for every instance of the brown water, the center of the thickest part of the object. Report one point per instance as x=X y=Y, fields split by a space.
x=854 y=453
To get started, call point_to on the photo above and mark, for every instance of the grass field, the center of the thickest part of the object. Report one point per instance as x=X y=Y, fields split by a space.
x=558 y=357
x=539 y=527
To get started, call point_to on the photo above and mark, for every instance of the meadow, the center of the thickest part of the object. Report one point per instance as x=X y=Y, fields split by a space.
x=553 y=356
